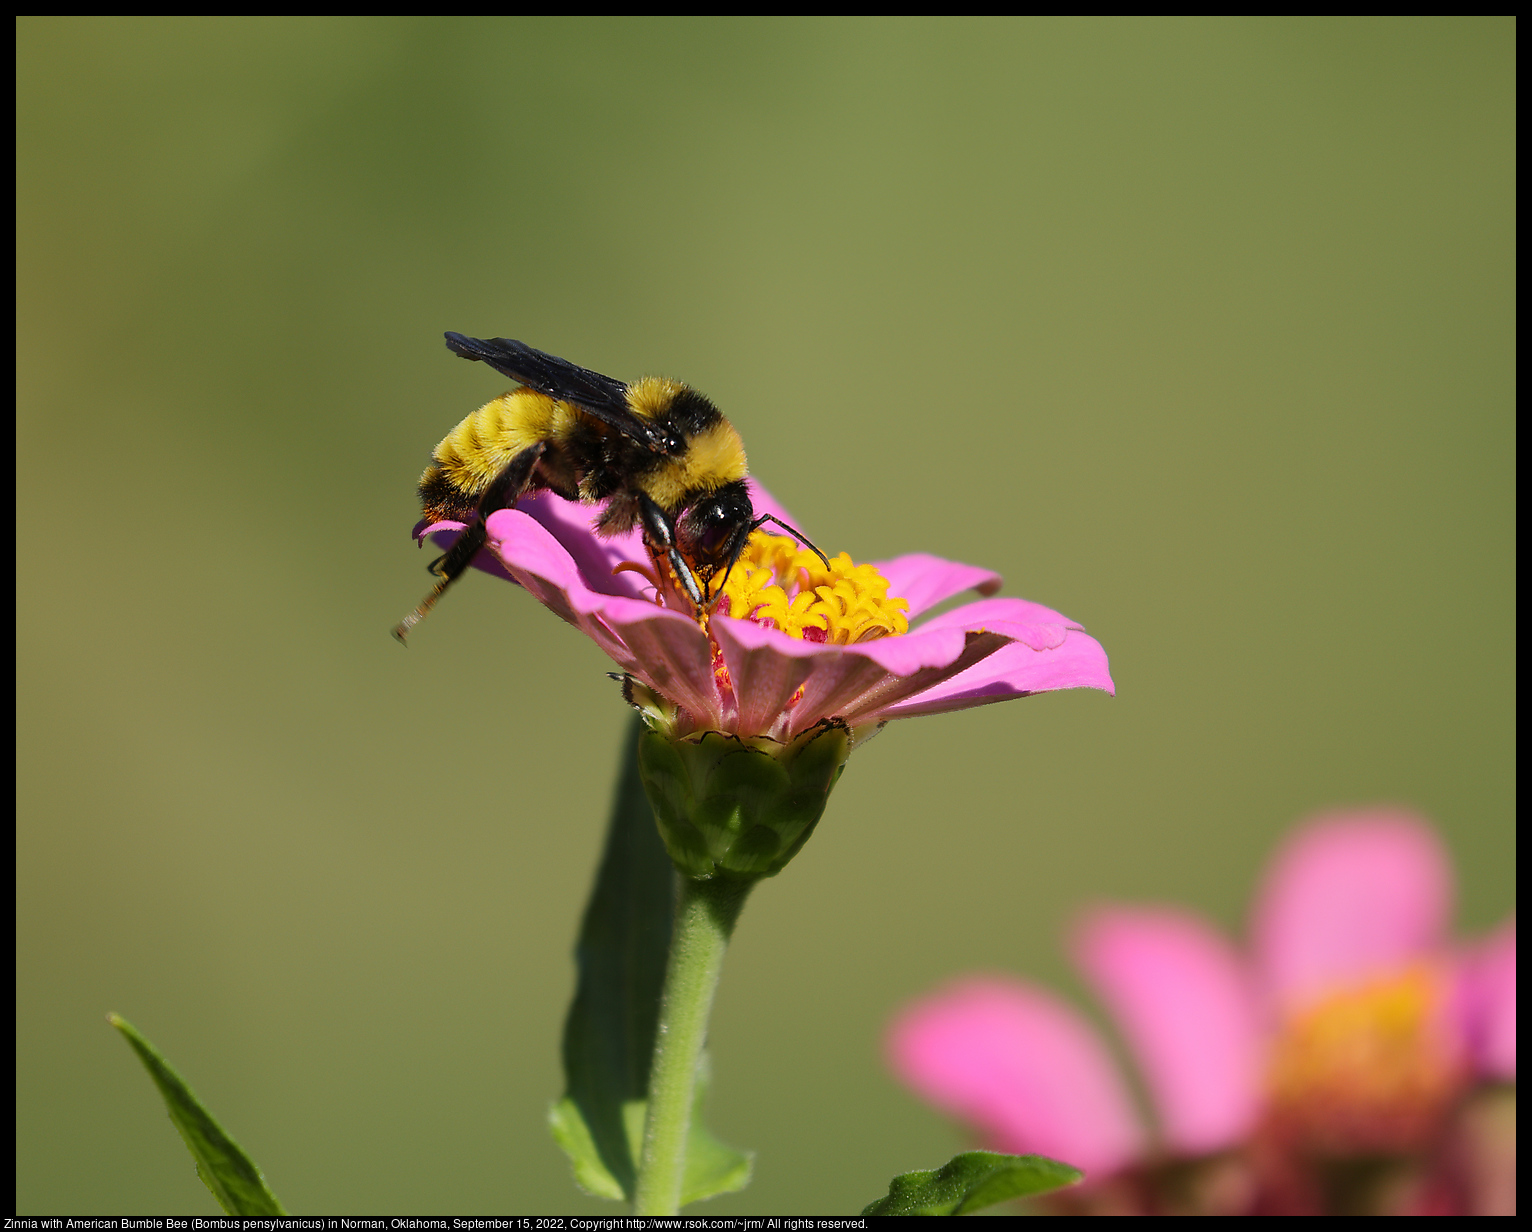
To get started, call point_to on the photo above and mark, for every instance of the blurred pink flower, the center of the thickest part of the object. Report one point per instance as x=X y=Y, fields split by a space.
x=1351 y=1030
x=743 y=676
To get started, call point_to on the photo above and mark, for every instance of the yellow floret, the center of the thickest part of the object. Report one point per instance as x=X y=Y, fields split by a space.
x=777 y=581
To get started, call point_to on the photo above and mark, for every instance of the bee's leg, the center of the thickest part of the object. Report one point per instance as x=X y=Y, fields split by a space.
x=737 y=545
x=660 y=534
x=502 y=493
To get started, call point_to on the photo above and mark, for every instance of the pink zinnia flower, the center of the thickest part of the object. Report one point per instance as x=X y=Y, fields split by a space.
x=777 y=655
x=1331 y=1065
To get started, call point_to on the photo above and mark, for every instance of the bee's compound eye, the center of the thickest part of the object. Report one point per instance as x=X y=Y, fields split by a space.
x=716 y=535
x=711 y=529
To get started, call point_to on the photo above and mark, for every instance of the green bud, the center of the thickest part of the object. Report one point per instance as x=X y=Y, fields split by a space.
x=736 y=805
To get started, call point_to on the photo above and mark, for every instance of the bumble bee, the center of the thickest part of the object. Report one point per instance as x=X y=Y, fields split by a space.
x=659 y=453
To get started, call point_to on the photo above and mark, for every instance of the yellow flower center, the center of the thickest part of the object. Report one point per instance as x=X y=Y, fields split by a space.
x=1367 y=1069
x=777 y=583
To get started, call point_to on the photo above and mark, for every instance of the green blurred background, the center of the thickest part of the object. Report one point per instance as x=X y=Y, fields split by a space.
x=1200 y=331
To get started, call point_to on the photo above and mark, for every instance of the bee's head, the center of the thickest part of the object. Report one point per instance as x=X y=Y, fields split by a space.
x=711 y=533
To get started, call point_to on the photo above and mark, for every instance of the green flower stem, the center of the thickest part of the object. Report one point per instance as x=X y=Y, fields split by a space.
x=706 y=912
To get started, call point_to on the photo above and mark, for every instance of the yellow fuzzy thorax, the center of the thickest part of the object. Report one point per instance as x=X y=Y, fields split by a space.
x=652 y=395
x=713 y=457
x=777 y=582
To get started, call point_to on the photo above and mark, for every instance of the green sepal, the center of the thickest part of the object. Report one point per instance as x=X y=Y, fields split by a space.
x=972 y=1181
x=742 y=806
x=230 y=1175
x=609 y=1034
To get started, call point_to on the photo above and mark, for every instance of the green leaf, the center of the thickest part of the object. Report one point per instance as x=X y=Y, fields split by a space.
x=972 y=1181
x=609 y=1034
x=230 y=1175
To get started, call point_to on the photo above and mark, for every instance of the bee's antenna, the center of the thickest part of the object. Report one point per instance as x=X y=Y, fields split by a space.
x=743 y=538
x=796 y=534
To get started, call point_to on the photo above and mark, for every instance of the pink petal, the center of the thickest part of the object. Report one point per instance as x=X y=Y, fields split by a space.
x=1349 y=895
x=549 y=546
x=444 y=534
x=664 y=649
x=573 y=525
x=1183 y=998
x=765 y=672
x=1016 y=670
x=543 y=564
x=1023 y=1067
x=838 y=675
x=924 y=581
x=1490 y=980
x=671 y=655
x=1012 y=611
x=845 y=681
x=976 y=646
x=424 y=528
x=530 y=556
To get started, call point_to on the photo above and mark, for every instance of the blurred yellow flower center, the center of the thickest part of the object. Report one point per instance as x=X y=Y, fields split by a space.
x=1367 y=1069
x=776 y=582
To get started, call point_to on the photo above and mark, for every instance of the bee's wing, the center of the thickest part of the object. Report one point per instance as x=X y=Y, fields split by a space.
x=601 y=396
